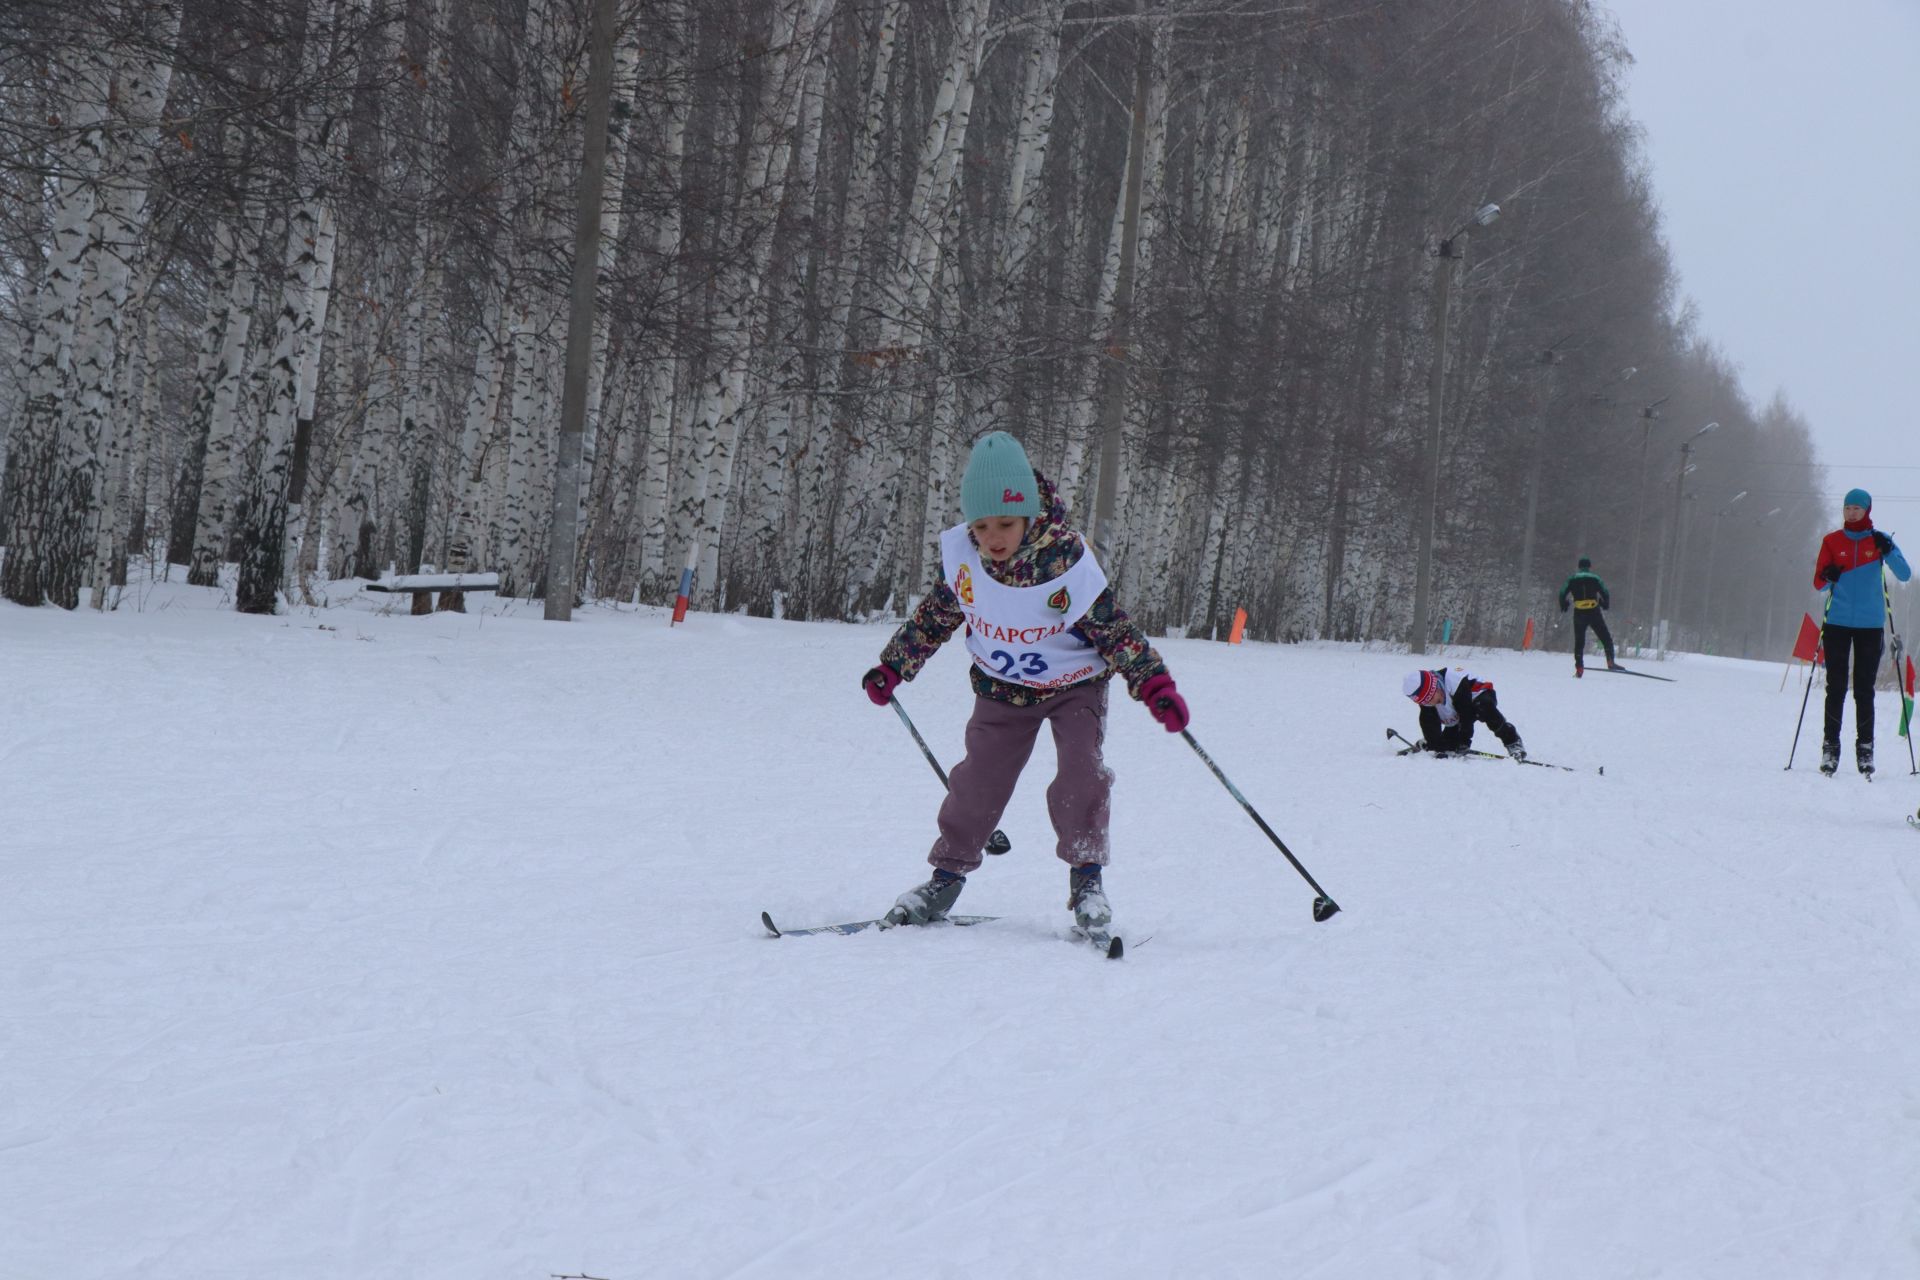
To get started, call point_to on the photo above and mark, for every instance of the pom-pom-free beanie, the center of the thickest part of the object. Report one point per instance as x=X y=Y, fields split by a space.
x=1419 y=685
x=1857 y=498
x=999 y=480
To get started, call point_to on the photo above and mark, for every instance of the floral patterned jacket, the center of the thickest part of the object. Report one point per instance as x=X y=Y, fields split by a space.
x=1048 y=550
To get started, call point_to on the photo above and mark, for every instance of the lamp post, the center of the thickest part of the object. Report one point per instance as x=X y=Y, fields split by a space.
x=1773 y=580
x=1713 y=547
x=1449 y=251
x=1673 y=542
x=1649 y=414
x=1547 y=360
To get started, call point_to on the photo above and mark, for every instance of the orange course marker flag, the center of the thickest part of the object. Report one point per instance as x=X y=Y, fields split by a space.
x=1807 y=646
x=1239 y=631
x=1526 y=640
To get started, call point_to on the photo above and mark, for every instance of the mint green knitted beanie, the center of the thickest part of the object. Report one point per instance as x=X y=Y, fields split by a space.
x=999 y=480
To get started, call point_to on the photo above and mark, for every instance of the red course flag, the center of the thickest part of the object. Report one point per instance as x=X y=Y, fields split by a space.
x=1807 y=647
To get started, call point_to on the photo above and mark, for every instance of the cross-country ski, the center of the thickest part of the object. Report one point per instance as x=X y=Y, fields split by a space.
x=858 y=926
x=1628 y=671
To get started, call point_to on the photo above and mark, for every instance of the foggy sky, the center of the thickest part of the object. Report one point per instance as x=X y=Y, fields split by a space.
x=1785 y=145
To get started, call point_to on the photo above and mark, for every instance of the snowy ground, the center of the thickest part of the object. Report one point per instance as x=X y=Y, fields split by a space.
x=349 y=944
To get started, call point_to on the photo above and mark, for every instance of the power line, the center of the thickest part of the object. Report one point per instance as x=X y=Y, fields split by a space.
x=1834 y=466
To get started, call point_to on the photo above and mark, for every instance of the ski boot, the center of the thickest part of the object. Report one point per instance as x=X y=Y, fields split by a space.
x=1863 y=759
x=1614 y=666
x=925 y=903
x=1518 y=750
x=1579 y=669
x=1829 y=757
x=1087 y=898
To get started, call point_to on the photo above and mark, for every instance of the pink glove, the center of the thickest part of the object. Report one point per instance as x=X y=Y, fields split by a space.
x=1164 y=703
x=879 y=684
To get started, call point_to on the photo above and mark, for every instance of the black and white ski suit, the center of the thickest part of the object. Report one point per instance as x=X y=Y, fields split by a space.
x=1449 y=726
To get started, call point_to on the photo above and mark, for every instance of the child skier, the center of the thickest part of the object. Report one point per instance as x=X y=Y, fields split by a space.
x=1451 y=702
x=1044 y=634
x=1848 y=568
x=1587 y=595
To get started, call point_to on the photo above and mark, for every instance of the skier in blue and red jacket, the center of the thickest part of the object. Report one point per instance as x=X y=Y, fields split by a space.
x=1848 y=567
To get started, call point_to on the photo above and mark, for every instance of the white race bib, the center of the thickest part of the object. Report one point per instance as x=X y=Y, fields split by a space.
x=1023 y=635
x=1451 y=678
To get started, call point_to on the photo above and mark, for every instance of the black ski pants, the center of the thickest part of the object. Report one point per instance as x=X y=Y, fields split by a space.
x=1862 y=647
x=1482 y=707
x=1583 y=619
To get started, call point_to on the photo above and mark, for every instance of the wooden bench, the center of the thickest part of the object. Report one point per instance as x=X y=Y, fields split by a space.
x=452 y=587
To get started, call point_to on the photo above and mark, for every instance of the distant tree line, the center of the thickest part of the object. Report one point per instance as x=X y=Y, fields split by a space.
x=283 y=283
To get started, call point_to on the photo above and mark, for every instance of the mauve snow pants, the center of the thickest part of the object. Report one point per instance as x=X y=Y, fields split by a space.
x=1000 y=737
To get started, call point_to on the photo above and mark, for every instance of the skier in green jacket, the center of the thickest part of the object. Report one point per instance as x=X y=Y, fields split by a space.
x=1587 y=596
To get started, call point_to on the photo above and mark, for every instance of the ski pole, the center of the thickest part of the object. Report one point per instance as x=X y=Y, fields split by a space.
x=997 y=842
x=1802 y=722
x=1808 y=692
x=1899 y=678
x=1323 y=906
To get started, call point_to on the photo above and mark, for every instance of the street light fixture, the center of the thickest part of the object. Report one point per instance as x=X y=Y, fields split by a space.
x=1659 y=580
x=1450 y=250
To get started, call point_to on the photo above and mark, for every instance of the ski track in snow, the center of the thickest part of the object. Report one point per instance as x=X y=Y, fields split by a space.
x=429 y=947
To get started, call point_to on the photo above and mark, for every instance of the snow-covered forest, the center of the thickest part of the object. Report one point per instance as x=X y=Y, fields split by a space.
x=284 y=283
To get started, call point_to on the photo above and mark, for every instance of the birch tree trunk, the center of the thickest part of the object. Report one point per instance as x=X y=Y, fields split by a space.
x=863 y=204
x=655 y=448
x=871 y=518
x=96 y=447
x=223 y=413
x=741 y=308
x=322 y=295
x=306 y=278
x=47 y=501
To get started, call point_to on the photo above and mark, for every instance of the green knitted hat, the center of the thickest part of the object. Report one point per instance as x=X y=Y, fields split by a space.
x=999 y=480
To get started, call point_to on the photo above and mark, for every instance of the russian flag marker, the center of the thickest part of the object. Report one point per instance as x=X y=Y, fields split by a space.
x=680 y=601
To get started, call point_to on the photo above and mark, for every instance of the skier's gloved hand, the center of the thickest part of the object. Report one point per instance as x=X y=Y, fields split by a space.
x=1164 y=703
x=1882 y=542
x=1830 y=573
x=879 y=684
